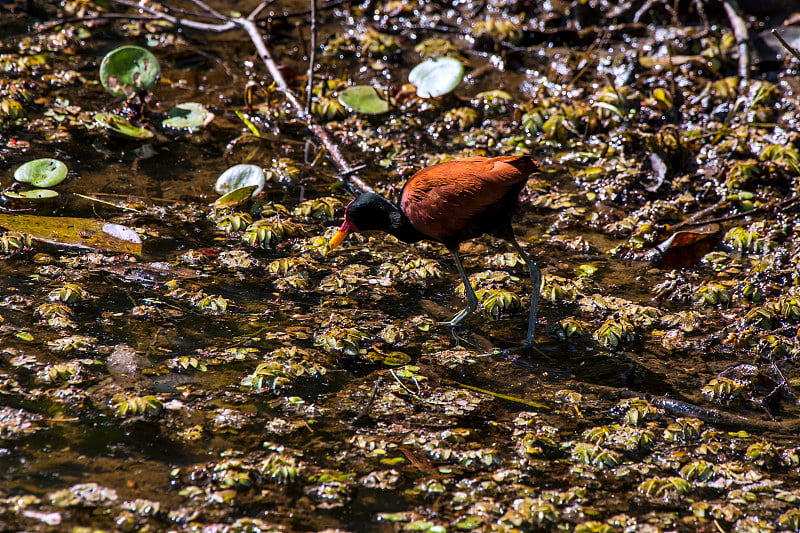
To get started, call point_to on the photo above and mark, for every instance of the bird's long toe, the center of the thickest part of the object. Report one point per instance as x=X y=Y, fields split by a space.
x=522 y=349
x=455 y=321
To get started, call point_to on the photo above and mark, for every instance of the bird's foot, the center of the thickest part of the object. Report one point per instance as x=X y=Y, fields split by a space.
x=456 y=320
x=523 y=349
x=453 y=332
x=530 y=346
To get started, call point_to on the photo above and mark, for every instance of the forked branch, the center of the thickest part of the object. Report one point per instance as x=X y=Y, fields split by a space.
x=347 y=171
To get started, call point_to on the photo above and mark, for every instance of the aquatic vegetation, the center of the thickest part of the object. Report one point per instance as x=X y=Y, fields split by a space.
x=282 y=369
x=232 y=373
x=69 y=293
x=612 y=333
x=232 y=222
x=128 y=405
x=15 y=242
x=593 y=455
x=324 y=208
x=500 y=30
x=268 y=232
x=725 y=390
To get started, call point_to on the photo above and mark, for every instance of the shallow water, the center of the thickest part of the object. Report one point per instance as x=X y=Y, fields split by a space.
x=226 y=389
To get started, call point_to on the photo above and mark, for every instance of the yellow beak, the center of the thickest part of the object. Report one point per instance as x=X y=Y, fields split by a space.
x=338 y=238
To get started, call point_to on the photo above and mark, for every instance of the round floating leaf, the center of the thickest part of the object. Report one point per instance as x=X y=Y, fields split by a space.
x=189 y=116
x=129 y=70
x=33 y=196
x=42 y=172
x=122 y=126
x=239 y=176
x=363 y=99
x=236 y=196
x=436 y=77
x=396 y=359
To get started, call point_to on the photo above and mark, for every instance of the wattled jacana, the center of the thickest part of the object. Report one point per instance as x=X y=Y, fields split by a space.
x=452 y=202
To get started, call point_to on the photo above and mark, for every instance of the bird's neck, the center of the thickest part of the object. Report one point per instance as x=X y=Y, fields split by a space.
x=401 y=228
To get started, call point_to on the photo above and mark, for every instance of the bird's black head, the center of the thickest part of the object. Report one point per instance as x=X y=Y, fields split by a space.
x=368 y=212
x=371 y=212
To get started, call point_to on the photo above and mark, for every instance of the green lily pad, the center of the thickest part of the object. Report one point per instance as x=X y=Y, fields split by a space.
x=435 y=77
x=236 y=196
x=122 y=126
x=239 y=176
x=396 y=359
x=363 y=99
x=44 y=172
x=129 y=70
x=33 y=196
x=189 y=116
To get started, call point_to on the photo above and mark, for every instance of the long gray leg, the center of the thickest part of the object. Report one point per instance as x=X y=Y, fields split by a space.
x=536 y=282
x=472 y=300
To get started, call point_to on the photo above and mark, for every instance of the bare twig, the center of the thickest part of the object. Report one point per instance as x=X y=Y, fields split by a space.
x=647 y=6
x=327 y=6
x=208 y=9
x=500 y=396
x=792 y=50
x=104 y=202
x=177 y=11
x=742 y=36
x=692 y=221
x=228 y=25
x=365 y=410
x=247 y=24
x=312 y=55
x=129 y=197
x=257 y=11
x=321 y=133
x=701 y=12
x=587 y=59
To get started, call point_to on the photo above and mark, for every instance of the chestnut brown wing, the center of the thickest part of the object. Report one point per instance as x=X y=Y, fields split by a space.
x=457 y=200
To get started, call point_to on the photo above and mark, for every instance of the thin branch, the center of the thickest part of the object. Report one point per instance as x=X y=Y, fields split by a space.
x=228 y=25
x=365 y=410
x=647 y=6
x=691 y=222
x=257 y=11
x=312 y=55
x=587 y=59
x=500 y=396
x=210 y=10
x=322 y=134
x=792 y=50
x=330 y=5
x=180 y=12
x=701 y=12
x=249 y=26
x=741 y=34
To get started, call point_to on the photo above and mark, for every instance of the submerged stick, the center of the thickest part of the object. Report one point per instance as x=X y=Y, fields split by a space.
x=742 y=36
x=312 y=56
x=786 y=45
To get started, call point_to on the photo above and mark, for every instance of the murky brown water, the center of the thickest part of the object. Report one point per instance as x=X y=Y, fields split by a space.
x=212 y=385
